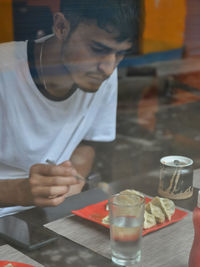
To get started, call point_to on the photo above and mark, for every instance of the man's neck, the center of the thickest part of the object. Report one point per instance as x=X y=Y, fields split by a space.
x=53 y=75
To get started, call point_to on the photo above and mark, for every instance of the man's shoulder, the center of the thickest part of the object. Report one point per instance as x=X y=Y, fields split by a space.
x=11 y=52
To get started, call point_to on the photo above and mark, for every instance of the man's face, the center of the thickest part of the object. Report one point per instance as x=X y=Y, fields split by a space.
x=91 y=54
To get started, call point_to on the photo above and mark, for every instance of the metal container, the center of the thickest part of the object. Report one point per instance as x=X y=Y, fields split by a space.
x=176 y=177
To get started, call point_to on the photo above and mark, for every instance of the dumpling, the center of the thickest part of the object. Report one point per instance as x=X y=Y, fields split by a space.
x=132 y=192
x=167 y=206
x=156 y=211
x=106 y=220
x=149 y=220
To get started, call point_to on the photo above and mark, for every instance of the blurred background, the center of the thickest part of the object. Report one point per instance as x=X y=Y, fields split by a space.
x=158 y=110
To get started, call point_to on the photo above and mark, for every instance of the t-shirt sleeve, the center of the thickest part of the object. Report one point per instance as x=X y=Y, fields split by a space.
x=103 y=127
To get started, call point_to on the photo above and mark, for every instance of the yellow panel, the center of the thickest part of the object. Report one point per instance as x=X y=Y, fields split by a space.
x=164 y=22
x=6 y=21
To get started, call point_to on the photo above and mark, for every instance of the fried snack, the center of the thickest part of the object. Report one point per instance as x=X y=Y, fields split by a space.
x=127 y=197
x=156 y=212
x=132 y=192
x=149 y=220
x=167 y=206
x=106 y=220
x=124 y=197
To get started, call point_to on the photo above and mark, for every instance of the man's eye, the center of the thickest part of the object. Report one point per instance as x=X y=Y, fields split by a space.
x=123 y=53
x=98 y=50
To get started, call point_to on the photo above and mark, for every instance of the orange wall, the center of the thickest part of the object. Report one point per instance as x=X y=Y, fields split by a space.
x=6 y=21
x=164 y=25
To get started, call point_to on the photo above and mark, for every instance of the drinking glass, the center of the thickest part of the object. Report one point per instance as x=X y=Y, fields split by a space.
x=126 y=215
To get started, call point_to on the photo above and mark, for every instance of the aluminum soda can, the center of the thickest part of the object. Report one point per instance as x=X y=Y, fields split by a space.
x=176 y=177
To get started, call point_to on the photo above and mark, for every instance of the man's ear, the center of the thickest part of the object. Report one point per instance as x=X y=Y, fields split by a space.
x=61 y=26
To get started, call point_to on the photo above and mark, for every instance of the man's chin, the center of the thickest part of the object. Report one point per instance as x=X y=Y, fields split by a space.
x=90 y=88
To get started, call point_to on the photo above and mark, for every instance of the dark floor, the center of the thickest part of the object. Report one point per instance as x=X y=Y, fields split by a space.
x=149 y=126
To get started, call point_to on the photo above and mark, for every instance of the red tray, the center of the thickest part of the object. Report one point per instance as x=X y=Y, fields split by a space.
x=97 y=212
x=15 y=264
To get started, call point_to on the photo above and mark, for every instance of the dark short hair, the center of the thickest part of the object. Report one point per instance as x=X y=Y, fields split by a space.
x=122 y=15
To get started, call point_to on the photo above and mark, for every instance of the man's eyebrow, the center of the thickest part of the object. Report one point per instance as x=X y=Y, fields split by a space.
x=107 y=48
x=103 y=46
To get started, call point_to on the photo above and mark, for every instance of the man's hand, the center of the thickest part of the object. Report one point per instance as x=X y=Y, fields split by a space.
x=49 y=184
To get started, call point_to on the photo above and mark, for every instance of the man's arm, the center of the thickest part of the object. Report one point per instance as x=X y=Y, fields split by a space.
x=48 y=185
x=12 y=192
x=82 y=160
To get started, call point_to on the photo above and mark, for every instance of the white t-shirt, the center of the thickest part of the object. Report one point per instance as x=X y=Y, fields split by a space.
x=35 y=128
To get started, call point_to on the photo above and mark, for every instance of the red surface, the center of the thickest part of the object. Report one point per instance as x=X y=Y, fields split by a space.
x=97 y=212
x=15 y=264
x=194 y=258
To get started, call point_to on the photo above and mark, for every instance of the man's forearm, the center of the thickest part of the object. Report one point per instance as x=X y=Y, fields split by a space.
x=83 y=158
x=14 y=192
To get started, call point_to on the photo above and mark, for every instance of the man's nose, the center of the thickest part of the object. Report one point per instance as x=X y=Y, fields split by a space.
x=107 y=64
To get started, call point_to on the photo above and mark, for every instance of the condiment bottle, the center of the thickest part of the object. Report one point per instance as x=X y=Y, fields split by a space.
x=194 y=259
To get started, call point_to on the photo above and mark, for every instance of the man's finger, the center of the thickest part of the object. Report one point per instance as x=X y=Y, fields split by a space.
x=49 y=202
x=52 y=170
x=47 y=191
x=53 y=181
x=66 y=163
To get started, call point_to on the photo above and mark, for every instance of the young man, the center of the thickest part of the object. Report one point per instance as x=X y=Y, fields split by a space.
x=55 y=93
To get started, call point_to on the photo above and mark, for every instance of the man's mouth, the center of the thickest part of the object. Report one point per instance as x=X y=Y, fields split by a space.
x=97 y=78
